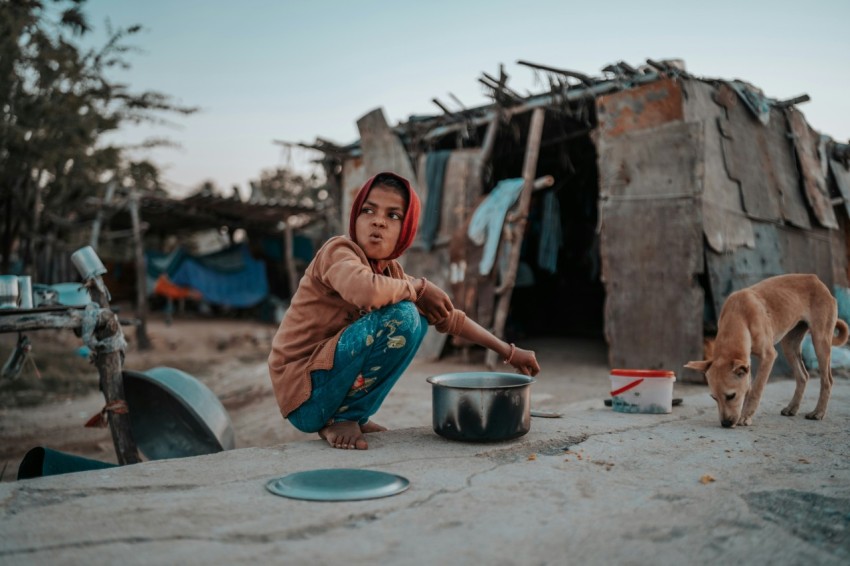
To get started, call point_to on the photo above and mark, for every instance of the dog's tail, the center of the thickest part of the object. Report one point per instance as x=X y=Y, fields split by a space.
x=843 y=333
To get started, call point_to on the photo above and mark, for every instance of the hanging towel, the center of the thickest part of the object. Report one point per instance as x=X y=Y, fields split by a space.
x=435 y=173
x=551 y=236
x=487 y=220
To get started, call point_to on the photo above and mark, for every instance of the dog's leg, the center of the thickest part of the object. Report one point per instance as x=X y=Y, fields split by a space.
x=823 y=350
x=792 y=348
x=751 y=403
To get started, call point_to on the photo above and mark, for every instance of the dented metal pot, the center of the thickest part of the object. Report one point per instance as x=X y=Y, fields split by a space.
x=481 y=406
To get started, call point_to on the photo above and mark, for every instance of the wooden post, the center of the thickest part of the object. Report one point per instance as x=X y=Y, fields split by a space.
x=98 y=220
x=489 y=139
x=111 y=380
x=143 y=342
x=289 y=255
x=529 y=170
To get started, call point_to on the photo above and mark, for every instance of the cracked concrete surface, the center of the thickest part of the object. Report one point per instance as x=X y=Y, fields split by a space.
x=592 y=487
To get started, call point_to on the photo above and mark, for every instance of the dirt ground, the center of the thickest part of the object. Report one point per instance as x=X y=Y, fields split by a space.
x=49 y=407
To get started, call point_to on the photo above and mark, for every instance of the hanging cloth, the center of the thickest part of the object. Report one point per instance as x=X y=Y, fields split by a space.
x=435 y=174
x=551 y=235
x=487 y=220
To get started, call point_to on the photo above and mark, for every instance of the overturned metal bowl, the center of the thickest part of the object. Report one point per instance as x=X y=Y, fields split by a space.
x=174 y=415
x=481 y=406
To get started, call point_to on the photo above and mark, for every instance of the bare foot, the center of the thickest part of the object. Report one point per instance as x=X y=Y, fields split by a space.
x=372 y=427
x=344 y=434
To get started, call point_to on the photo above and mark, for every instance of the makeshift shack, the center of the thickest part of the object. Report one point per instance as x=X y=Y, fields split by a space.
x=657 y=194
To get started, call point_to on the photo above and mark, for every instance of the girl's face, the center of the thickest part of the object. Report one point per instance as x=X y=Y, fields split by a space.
x=379 y=223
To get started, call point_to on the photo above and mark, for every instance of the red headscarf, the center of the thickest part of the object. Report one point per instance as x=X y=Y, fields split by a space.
x=411 y=216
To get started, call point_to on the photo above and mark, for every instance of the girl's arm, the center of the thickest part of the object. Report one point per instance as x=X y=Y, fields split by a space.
x=523 y=360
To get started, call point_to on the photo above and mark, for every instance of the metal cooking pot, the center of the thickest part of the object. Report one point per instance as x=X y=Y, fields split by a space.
x=481 y=406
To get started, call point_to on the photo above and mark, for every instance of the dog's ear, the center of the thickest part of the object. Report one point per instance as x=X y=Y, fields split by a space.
x=699 y=366
x=740 y=368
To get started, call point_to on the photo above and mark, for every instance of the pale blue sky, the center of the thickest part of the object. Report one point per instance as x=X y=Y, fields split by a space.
x=263 y=70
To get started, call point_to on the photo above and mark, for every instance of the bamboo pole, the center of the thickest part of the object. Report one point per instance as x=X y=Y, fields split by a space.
x=529 y=169
x=288 y=249
x=98 y=220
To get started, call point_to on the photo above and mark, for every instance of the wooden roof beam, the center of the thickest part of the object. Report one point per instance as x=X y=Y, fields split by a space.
x=573 y=74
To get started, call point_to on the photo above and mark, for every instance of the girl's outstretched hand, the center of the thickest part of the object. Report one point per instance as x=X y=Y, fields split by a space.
x=434 y=303
x=525 y=361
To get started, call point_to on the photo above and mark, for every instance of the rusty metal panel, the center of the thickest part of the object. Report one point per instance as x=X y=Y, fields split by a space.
x=780 y=249
x=814 y=181
x=651 y=245
x=725 y=225
x=639 y=108
x=382 y=148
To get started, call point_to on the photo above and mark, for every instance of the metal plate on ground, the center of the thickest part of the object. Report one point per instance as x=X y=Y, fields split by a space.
x=338 y=484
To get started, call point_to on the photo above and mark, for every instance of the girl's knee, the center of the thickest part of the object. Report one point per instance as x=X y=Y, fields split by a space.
x=404 y=309
x=403 y=316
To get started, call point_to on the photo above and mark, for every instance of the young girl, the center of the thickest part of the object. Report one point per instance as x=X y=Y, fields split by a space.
x=356 y=321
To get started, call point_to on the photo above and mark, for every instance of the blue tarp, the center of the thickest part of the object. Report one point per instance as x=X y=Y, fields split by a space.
x=230 y=277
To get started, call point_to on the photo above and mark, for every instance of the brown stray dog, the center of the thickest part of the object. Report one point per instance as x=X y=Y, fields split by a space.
x=752 y=321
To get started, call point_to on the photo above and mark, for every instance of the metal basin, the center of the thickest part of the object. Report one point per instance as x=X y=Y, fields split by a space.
x=173 y=415
x=481 y=406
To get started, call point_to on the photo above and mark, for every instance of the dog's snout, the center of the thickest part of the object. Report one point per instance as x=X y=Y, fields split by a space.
x=727 y=423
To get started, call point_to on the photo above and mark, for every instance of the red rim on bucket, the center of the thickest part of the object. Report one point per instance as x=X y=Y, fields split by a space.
x=655 y=396
x=643 y=373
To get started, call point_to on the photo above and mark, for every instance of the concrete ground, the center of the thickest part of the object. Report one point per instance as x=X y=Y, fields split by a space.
x=594 y=487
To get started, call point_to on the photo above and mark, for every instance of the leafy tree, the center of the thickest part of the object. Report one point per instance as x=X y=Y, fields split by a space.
x=56 y=102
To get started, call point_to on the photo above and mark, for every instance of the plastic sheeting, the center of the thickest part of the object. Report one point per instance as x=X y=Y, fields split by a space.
x=230 y=277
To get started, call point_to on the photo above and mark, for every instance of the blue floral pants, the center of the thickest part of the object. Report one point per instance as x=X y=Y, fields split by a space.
x=370 y=357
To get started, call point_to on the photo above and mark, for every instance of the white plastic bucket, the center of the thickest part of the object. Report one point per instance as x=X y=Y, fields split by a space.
x=642 y=390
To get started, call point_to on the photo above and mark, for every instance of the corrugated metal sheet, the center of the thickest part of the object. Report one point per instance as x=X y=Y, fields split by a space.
x=761 y=159
x=783 y=172
x=841 y=174
x=651 y=245
x=814 y=181
x=725 y=225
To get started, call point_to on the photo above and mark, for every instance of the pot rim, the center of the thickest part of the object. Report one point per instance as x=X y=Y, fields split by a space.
x=441 y=380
